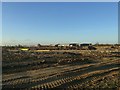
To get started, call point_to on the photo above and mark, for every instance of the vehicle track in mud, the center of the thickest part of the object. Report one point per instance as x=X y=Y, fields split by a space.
x=64 y=76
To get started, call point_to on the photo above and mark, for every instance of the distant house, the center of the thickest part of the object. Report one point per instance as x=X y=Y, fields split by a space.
x=85 y=44
x=57 y=45
x=74 y=45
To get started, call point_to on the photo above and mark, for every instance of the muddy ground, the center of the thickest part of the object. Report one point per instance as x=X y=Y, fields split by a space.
x=63 y=69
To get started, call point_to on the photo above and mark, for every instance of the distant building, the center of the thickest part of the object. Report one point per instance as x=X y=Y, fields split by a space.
x=85 y=44
x=74 y=45
x=59 y=45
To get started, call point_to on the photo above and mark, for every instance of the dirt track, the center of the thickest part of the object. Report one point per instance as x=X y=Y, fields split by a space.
x=61 y=76
x=75 y=75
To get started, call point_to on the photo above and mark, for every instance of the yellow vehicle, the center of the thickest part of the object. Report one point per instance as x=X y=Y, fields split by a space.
x=24 y=49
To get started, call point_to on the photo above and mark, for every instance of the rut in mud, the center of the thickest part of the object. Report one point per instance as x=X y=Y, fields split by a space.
x=79 y=72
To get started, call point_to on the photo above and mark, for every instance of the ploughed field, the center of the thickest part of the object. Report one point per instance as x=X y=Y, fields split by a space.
x=64 y=69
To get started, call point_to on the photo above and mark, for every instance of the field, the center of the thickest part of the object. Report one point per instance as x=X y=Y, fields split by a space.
x=63 y=69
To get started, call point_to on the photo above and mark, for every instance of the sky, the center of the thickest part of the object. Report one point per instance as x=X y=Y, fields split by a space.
x=30 y=23
x=0 y=24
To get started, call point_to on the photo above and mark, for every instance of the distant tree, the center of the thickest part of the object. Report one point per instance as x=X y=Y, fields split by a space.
x=20 y=46
x=39 y=45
